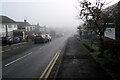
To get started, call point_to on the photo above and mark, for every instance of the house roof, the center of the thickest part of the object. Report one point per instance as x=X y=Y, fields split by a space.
x=5 y=19
x=22 y=24
x=113 y=8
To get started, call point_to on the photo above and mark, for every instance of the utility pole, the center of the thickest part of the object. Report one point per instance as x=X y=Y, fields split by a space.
x=6 y=30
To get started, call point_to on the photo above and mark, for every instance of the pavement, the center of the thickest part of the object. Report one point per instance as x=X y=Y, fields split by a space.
x=78 y=64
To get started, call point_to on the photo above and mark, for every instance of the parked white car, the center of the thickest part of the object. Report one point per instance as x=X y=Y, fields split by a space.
x=48 y=37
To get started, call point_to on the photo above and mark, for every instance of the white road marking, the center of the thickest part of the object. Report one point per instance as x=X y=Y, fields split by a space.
x=8 y=50
x=18 y=59
x=42 y=47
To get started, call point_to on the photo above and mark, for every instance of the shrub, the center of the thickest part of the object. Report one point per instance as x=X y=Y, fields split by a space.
x=111 y=47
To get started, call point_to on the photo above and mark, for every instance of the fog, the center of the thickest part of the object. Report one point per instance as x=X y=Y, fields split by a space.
x=52 y=13
x=57 y=13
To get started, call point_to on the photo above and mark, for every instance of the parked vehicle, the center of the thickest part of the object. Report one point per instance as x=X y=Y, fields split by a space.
x=39 y=39
x=9 y=40
x=16 y=39
x=12 y=40
x=3 y=41
x=48 y=37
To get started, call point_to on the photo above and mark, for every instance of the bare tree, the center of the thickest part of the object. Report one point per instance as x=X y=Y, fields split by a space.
x=95 y=16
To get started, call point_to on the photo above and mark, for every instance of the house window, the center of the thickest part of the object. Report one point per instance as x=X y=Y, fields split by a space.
x=9 y=26
x=3 y=26
x=27 y=29
x=15 y=26
x=30 y=28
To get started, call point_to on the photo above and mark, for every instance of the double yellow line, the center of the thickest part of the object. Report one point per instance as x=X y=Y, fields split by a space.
x=49 y=67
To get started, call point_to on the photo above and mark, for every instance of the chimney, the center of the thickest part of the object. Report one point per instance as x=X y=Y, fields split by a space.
x=25 y=20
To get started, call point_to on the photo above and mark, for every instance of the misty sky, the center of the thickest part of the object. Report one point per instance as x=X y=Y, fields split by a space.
x=53 y=13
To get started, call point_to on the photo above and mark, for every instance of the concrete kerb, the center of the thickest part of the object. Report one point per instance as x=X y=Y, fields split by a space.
x=57 y=65
x=21 y=43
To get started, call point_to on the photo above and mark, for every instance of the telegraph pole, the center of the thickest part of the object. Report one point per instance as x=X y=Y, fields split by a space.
x=6 y=30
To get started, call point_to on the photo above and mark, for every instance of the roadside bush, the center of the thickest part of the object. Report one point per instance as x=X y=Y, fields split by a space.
x=88 y=47
x=111 y=47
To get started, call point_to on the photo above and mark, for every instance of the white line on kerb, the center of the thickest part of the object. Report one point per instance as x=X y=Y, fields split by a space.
x=18 y=59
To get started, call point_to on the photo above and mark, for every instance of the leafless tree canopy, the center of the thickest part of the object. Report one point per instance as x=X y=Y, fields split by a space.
x=94 y=15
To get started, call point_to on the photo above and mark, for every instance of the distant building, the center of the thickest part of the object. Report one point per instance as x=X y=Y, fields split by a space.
x=7 y=26
x=30 y=27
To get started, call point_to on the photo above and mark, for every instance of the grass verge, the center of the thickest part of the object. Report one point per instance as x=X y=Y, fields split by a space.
x=107 y=63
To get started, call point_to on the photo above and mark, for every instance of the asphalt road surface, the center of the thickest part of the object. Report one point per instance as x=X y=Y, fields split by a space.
x=32 y=62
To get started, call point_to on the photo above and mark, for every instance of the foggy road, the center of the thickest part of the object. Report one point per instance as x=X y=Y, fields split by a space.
x=32 y=62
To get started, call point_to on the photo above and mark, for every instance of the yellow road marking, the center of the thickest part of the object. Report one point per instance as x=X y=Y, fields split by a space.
x=49 y=67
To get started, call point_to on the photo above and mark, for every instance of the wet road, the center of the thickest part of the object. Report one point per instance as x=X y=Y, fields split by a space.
x=32 y=62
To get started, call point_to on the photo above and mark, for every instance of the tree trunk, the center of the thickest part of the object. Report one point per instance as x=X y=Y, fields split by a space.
x=91 y=39
x=101 y=47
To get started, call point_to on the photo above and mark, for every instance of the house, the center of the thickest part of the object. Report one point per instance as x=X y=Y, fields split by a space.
x=36 y=29
x=23 y=25
x=7 y=25
x=113 y=29
x=41 y=29
x=30 y=30
x=30 y=27
x=26 y=28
